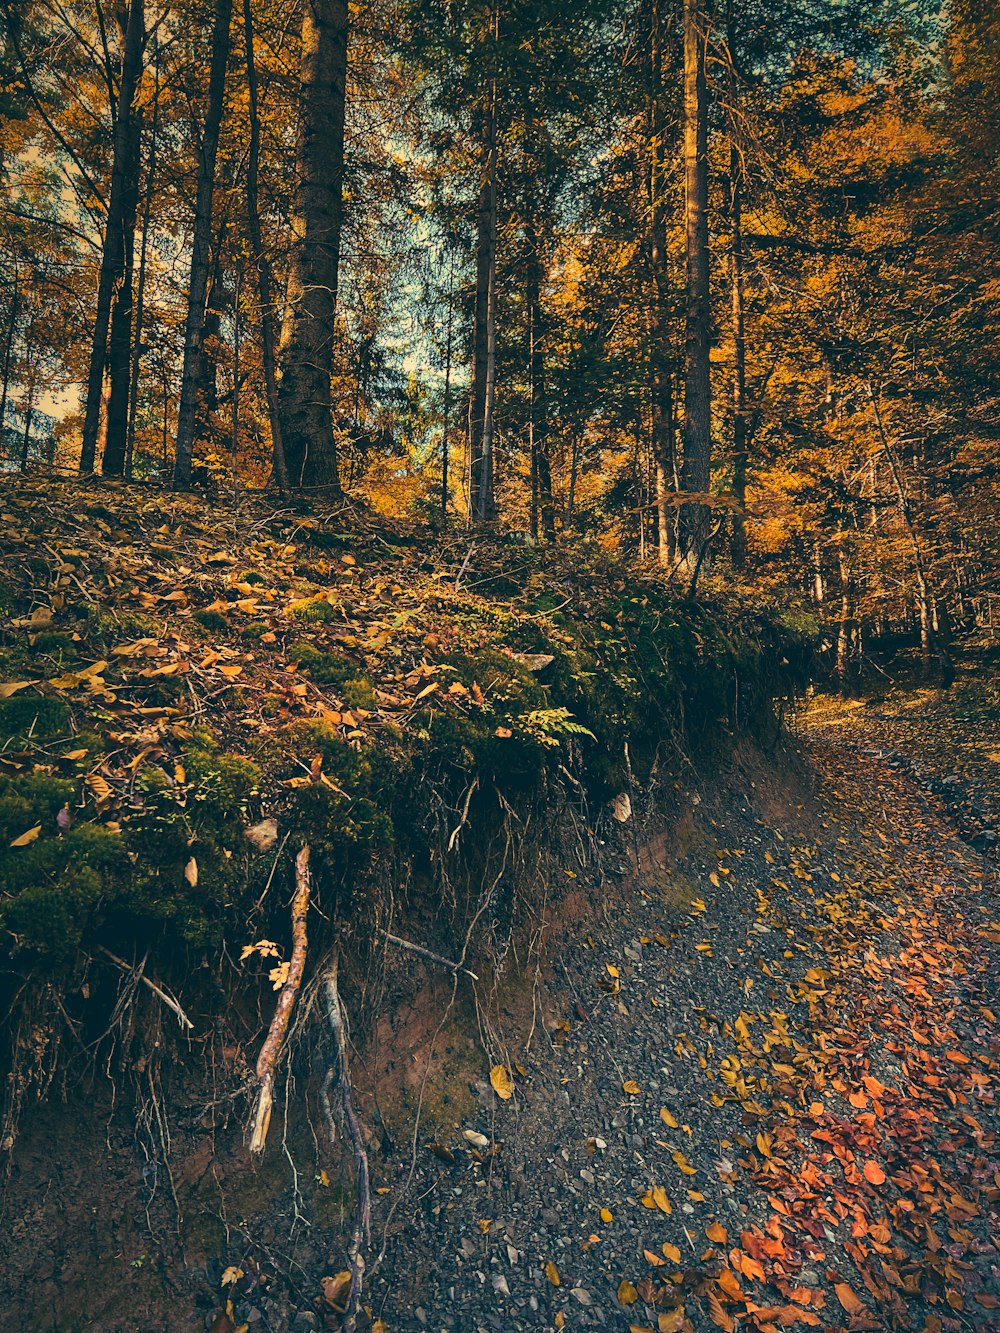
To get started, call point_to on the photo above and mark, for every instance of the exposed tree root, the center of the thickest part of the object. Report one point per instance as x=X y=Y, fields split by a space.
x=338 y=1100
x=271 y=1050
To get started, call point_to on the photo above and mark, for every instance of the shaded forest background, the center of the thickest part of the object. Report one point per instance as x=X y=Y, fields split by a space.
x=713 y=283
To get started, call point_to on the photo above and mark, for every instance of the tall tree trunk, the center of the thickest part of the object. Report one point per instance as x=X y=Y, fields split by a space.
x=114 y=247
x=661 y=368
x=306 y=351
x=120 y=341
x=538 y=419
x=192 y=375
x=741 y=442
x=140 y=301
x=8 y=353
x=446 y=423
x=482 y=505
x=697 y=462
x=29 y=412
x=261 y=262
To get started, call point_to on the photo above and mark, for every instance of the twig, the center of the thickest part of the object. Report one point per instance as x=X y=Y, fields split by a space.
x=426 y=953
x=172 y=1004
x=338 y=1080
x=270 y=1051
x=465 y=564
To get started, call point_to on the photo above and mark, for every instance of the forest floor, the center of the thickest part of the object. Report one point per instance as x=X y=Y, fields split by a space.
x=777 y=1107
x=754 y=1075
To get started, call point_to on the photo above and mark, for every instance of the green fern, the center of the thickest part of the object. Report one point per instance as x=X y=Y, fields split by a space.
x=549 y=725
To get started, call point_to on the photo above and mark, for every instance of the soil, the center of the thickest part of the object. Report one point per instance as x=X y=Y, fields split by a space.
x=754 y=1084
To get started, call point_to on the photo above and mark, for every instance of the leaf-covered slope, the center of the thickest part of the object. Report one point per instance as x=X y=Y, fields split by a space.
x=187 y=682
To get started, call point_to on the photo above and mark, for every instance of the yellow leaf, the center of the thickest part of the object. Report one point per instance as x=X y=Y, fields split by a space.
x=612 y=970
x=12 y=687
x=552 y=1273
x=627 y=1294
x=671 y=1252
x=672 y=1322
x=232 y=1274
x=683 y=1163
x=661 y=1200
x=606 y=1215
x=191 y=872
x=667 y=1118
x=717 y=1233
x=230 y=670
x=652 y=1258
x=631 y=1087
x=501 y=1081
x=26 y=839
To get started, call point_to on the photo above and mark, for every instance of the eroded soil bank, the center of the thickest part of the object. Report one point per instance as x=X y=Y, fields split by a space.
x=754 y=1087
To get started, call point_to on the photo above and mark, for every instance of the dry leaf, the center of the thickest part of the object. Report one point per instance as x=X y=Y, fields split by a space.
x=191 y=872
x=668 y=1119
x=552 y=1273
x=848 y=1299
x=671 y=1252
x=627 y=1294
x=502 y=1083
x=26 y=839
x=717 y=1233
x=631 y=1087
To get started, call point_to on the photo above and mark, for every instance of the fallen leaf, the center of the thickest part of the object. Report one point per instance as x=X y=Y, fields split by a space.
x=552 y=1273
x=717 y=1233
x=502 y=1084
x=627 y=1294
x=631 y=1087
x=26 y=839
x=848 y=1298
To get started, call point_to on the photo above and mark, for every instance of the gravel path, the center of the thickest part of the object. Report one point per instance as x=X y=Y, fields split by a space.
x=774 y=1106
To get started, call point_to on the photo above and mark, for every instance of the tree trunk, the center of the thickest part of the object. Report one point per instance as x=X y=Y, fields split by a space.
x=306 y=351
x=194 y=331
x=661 y=368
x=697 y=461
x=29 y=412
x=741 y=442
x=482 y=506
x=8 y=353
x=538 y=418
x=140 y=301
x=114 y=248
x=446 y=423
x=261 y=261
x=120 y=341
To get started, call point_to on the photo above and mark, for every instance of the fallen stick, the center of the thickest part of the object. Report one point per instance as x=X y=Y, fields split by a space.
x=338 y=1080
x=276 y=1033
x=426 y=953
x=172 y=1004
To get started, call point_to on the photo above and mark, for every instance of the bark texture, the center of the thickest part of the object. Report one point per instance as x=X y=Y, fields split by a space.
x=113 y=249
x=697 y=461
x=306 y=351
x=192 y=375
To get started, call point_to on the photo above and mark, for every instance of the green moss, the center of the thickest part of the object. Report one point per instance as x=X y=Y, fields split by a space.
x=55 y=645
x=214 y=621
x=318 y=613
x=27 y=714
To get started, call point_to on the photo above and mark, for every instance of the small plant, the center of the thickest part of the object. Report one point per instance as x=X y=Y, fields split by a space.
x=549 y=725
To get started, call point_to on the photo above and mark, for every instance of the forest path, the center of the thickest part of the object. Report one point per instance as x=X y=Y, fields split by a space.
x=777 y=1108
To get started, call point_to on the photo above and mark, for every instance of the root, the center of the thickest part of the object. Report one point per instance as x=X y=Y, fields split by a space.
x=337 y=1093
x=271 y=1050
